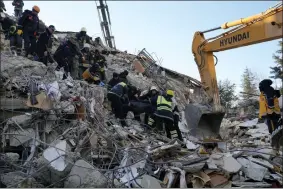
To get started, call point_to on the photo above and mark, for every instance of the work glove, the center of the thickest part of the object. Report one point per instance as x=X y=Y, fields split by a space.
x=45 y=53
x=20 y=32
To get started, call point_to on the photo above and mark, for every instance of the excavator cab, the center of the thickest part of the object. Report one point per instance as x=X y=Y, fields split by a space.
x=203 y=123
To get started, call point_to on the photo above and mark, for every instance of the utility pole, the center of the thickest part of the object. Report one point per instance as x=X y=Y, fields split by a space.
x=105 y=24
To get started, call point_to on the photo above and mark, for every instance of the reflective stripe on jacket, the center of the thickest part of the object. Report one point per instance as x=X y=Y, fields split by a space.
x=264 y=109
x=119 y=89
x=163 y=104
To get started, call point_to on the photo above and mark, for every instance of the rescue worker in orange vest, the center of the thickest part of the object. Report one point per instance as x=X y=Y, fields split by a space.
x=269 y=110
x=164 y=115
x=118 y=96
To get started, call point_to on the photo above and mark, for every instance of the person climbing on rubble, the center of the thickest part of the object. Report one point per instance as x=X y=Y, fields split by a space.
x=92 y=75
x=164 y=115
x=44 y=45
x=100 y=59
x=28 y=26
x=150 y=97
x=88 y=59
x=114 y=81
x=123 y=76
x=269 y=110
x=64 y=56
x=118 y=96
x=15 y=40
x=82 y=37
x=176 y=116
x=18 y=4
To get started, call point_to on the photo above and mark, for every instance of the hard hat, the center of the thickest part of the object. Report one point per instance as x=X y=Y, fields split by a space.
x=153 y=88
x=52 y=27
x=36 y=8
x=170 y=92
x=83 y=29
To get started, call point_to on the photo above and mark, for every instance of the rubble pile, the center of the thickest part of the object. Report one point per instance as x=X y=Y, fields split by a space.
x=69 y=138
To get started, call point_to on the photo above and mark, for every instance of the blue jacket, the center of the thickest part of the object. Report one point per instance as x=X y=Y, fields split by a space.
x=120 y=89
x=29 y=23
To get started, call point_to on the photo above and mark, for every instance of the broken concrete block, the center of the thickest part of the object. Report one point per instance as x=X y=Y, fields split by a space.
x=23 y=120
x=13 y=157
x=56 y=162
x=21 y=136
x=231 y=165
x=84 y=175
x=19 y=180
x=194 y=168
x=252 y=170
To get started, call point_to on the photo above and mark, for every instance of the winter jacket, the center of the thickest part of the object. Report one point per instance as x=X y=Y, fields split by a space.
x=121 y=89
x=29 y=23
x=113 y=82
x=43 y=42
x=66 y=51
x=268 y=105
x=19 y=4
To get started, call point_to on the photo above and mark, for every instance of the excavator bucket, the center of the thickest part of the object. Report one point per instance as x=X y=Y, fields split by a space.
x=203 y=123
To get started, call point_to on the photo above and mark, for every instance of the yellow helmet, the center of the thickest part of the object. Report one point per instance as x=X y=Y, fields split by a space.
x=170 y=92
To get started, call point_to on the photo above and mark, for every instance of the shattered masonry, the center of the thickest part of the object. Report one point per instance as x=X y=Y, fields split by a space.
x=65 y=141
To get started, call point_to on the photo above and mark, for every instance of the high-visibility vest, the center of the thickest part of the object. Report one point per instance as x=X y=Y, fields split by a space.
x=122 y=83
x=163 y=104
x=264 y=109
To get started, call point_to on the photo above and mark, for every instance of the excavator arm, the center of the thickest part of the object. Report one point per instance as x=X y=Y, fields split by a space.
x=255 y=29
x=266 y=26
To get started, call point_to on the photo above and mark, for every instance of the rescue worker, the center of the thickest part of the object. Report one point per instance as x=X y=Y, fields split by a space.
x=114 y=81
x=88 y=59
x=15 y=40
x=118 y=96
x=269 y=110
x=29 y=25
x=91 y=75
x=123 y=76
x=151 y=94
x=64 y=55
x=43 y=44
x=164 y=115
x=100 y=59
x=82 y=37
x=18 y=4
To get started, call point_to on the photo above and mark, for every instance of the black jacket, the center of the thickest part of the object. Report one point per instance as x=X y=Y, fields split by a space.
x=113 y=82
x=43 y=42
x=29 y=22
x=19 y=4
x=66 y=51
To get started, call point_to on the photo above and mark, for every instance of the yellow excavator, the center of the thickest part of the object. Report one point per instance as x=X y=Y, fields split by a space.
x=204 y=120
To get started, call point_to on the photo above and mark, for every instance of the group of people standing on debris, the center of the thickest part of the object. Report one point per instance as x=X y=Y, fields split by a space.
x=74 y=55
x=160 y=107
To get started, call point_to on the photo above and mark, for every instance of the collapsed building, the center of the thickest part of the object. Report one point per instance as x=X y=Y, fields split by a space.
x=70 y=138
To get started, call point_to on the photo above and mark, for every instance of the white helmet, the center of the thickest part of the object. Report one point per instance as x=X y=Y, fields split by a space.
x=86 y=45
x=83 y=29
x=153 y=88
